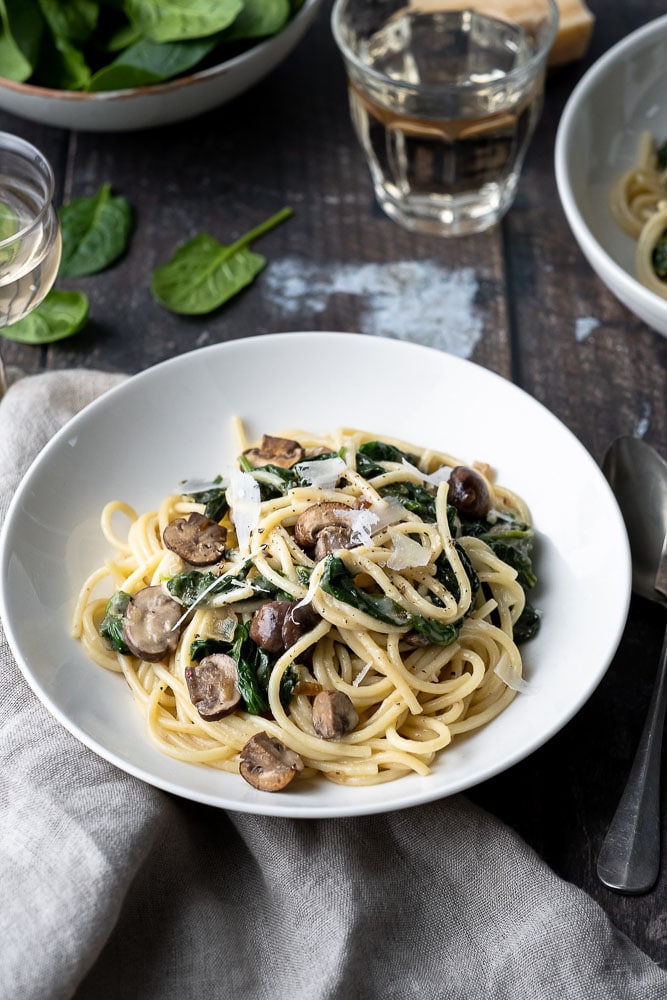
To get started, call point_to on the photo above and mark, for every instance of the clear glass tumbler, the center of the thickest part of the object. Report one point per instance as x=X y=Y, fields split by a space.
x=444 y=98
x=30 y=240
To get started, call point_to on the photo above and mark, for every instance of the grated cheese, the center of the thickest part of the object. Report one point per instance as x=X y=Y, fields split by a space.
x=323 y=474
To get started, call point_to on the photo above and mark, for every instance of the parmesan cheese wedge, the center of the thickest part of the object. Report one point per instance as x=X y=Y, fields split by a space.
x=575 y=25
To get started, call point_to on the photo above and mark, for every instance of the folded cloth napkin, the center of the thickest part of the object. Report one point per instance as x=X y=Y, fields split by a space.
x=113 y=890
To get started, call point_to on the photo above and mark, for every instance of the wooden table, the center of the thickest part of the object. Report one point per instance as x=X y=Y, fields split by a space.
x=531 y=310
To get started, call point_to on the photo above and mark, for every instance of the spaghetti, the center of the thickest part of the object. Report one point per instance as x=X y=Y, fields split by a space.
x=341 y=606
x=638 y=202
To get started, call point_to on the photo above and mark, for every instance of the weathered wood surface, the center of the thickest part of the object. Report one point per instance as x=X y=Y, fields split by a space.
x=520 y=300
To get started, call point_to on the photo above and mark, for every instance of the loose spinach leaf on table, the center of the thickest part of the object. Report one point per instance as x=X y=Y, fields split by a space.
x=95 y=232
x=59 y=315
x=203 y=273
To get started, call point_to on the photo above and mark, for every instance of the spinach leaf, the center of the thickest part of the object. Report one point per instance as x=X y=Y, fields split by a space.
x=20 y=38
x=176 y=20
x=259 y=18
x=516 y=555
x=95 y=232
x=59 y=315
x=438 y=633
x=446 y=576
x=188 y=586
x=254 y=666
x=413 y=497
x=379 y=451
x=73 y=22
x=111 y=626
x=661 y=156
x=527 y=625
x=203 y=274
x=215 y=502
x=337 y=581
x=659 y=257
x=145 y=62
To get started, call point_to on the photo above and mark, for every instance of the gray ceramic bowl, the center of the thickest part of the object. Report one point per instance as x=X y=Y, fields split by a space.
x=159 y=104
x=620 y=96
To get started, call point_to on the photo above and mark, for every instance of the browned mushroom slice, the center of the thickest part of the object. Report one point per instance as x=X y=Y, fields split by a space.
x=268 y=764
x=275 y=451
x=212 y=686
x=468 y=492
x=334 y=715
x=299 y=620
x=196 y=539
x=316 y=518
x=150 y=624
x=266 y=628
x=333 y=537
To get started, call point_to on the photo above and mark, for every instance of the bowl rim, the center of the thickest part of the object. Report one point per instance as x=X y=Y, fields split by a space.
x=74 y=96
x=629 y=286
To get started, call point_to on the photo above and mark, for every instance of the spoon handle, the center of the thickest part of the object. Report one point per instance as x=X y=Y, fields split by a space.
x=630 y=857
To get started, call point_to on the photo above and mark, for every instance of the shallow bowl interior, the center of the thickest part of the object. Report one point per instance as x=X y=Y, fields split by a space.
x=621 y=96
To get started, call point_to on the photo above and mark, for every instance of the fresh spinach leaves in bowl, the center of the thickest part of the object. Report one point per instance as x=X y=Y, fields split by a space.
x=123 y=44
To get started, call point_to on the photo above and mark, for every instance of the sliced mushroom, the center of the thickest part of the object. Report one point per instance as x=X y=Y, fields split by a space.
x=212 y=686
x=275 y=451
x=150 y=628
x=468 y=492
x=316 y=518
x=334 y=536
x=299 y=619
x=196 y=539
x=334 y=715
x=268 y=764
x=266 y=628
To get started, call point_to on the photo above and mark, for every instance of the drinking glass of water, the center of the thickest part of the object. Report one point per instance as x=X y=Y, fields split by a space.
x=30 y=242
x=444 y=98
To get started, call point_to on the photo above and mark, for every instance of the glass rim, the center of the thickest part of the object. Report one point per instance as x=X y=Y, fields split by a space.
x=525 y=70
x=21 y=147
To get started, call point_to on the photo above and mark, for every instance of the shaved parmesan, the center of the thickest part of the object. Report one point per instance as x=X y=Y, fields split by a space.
x=362 y=673
x=361 y=521
x=190 y=486
x=388 y=511
x=243 y=496
x=406 y=552
x=323 y=474
x=509 y=675
x=440 y=475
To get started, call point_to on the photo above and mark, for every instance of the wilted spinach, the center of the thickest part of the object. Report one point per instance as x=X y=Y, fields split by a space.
x=253 y=666
x=338 y=581
x=111 y=626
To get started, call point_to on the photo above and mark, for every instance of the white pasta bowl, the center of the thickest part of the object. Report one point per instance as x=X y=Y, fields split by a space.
x=161 y=103
x=621 y=96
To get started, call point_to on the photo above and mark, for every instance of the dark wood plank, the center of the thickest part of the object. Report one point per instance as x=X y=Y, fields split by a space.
x=602 y=371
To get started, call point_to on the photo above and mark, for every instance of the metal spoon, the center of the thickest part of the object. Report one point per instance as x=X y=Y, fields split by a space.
x=630 y=857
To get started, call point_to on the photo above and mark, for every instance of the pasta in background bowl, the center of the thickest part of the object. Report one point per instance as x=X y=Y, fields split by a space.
x=601 y=138
x=51 y=540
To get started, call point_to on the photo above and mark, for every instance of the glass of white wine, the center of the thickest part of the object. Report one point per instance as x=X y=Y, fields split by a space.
x=30 y=241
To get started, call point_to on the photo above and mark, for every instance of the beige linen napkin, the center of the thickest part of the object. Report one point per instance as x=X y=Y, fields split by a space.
x=112 y=890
